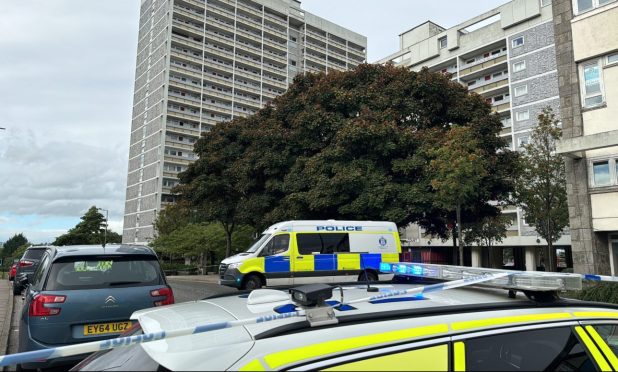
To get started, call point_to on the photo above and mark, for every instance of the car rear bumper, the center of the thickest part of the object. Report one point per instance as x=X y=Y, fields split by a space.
x=33 y=345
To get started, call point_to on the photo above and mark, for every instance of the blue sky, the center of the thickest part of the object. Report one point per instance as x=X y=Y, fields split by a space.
x=66 y=93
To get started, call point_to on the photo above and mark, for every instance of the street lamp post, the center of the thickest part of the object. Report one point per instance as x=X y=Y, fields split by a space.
x=106 y=222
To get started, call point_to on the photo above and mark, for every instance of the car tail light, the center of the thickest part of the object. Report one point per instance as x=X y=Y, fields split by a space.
x=163 y=292
x=38 y=306
x=24 y=263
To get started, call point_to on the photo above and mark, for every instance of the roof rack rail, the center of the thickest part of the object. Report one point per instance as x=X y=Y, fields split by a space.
x=538 y=281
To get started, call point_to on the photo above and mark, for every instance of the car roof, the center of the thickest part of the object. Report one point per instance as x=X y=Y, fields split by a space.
x=461 y=304
x=97 y=250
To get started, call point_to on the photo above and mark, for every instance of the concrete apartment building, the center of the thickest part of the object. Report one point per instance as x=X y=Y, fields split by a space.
x=587 y=44
x=508 y=56
x=200 y=63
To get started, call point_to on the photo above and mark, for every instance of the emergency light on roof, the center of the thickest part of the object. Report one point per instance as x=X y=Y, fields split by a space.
x=516 y=280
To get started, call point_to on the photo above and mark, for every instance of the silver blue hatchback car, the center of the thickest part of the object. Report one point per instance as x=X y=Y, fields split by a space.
x=88 y=293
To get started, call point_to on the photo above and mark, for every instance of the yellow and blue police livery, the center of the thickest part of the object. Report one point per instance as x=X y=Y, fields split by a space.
x=300 y=252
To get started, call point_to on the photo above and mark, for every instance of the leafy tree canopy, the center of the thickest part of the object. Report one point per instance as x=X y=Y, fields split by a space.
x=11 y=245
x=347 y=145
x=91 y=230
x=541 y=187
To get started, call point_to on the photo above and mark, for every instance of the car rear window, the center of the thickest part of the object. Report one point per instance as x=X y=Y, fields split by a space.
x=103 y=272
x=34 y=254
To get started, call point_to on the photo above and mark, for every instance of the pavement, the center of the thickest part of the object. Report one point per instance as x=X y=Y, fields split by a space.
x=6 y=309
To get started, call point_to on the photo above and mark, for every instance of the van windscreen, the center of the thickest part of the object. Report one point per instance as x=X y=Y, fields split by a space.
x=258 y=243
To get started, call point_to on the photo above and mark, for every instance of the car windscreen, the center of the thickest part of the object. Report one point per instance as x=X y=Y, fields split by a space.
x=34 y=254
x=94 y=272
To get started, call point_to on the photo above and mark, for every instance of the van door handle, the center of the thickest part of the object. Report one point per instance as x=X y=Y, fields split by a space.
x=299 y=257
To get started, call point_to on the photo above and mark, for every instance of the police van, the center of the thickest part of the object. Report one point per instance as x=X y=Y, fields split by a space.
x=300 y=252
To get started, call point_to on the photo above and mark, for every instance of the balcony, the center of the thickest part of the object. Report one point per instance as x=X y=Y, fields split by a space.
x=179 y=145
x=249 y=21
x=274 y=82
x=316 y=47
x=250 y=35
x=279 y=71
x=187 y=27
x=249 y=61
x=275 y=57
x=482 y=64
x=197 y=3
x=316 y=58
x=217 y=94
x=316 y=35
x=248 y=88
x=182 y=56
x=208 y=76
x=212 y=21
x=179 y=130
x=501 y=106
x=217 y=109
x=189 y=14
x=274 y=44
x=217 y=65
x=188 y=42
x=212 y=36
x=248 y=102
x=248 y=8
x=220 y=12
x=276 y=31
x=276 y=19
x=186 y=71
x=227 y=54
x=338 y=43
x=182 y=115
x=176 y=160
x=243 y=44
x=491 y=85
x=185 y=100
x=185 y=85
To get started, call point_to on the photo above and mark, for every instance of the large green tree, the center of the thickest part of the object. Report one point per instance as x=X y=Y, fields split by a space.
x=14 y=242
x=345 y=145
x=459 y=169
x=485 y=233
x=541 y=187
x=91 y=230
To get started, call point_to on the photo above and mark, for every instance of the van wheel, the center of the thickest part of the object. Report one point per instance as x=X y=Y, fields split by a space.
x=371 y=277
x=252 y=282
x=17 y=289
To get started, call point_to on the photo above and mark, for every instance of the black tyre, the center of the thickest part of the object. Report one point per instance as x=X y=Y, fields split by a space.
x=252 y=282
x=370 y=276
x=17 y=289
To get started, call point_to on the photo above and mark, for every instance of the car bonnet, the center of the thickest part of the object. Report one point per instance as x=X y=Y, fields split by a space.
x=205 y=351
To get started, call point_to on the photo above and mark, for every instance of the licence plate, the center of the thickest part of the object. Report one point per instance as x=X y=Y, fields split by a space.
x=105 y=328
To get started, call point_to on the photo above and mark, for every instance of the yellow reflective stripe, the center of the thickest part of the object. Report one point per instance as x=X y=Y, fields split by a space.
x=348 y=261
x=507 y=320
x=603 y=346
x=282 y=358
x=459 y=356
x=596 y=354
x=390 y=257
x=596 y=314
x=433 y=358
x=251 y=265
x=254 y=365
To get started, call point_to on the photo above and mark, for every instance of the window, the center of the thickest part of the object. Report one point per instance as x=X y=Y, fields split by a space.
x=522 y=115
x=279 y=244
x=521 y=90
x=519 y=66
x=322 y=243
x=442 y=42
x=550 y=349
x=600 y=171
x=586 y=5
x=517 y=42
x=38 y=276
x=591 y=82
x=608 y=332
x=545 y=2
x=612 y=58
x=523 y=141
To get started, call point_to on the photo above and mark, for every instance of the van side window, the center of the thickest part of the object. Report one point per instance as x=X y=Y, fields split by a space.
x=308 y=243
x=333 y=243
x=323 y=243
x=278 y=244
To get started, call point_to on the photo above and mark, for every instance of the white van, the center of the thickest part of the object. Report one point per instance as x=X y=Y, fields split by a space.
x=301 y=252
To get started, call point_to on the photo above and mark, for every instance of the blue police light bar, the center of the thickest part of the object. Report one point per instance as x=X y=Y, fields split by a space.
x=517 y=280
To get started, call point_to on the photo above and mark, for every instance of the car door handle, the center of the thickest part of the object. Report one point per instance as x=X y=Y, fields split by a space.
x=299 y=257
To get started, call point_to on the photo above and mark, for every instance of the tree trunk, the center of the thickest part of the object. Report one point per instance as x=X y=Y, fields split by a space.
x=455 y=253
x=461 y=250
x=229 y=229
x=551 y=257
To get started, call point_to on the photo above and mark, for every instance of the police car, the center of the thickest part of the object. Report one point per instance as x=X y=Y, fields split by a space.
x=449 y=325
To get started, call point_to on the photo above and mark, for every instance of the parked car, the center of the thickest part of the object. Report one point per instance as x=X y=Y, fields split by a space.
x=26 y=267
x=88 y=293
x=439 y=329
x=13 y=270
